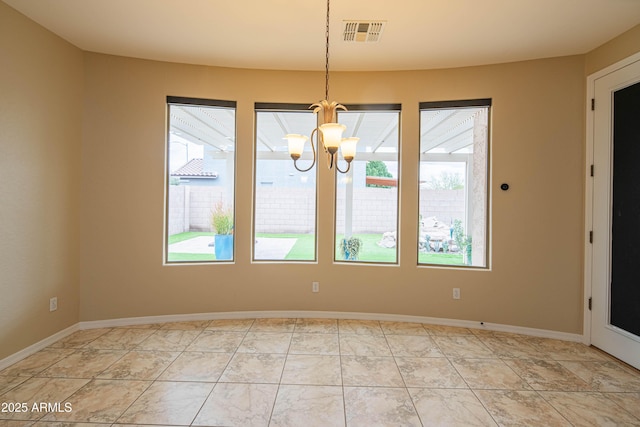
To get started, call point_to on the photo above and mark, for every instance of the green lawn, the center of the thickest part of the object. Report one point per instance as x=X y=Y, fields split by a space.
x=303 y=250
x=174 y=257
x=438 y=258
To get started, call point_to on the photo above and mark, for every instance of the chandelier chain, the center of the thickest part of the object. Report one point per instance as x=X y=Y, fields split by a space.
x=326 y=63
x=329 y=134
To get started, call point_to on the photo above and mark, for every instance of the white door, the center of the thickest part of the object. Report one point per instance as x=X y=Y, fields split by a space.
x=615 y=257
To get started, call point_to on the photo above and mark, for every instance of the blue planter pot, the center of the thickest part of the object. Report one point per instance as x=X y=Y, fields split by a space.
x=224 y=246
x=348 y=256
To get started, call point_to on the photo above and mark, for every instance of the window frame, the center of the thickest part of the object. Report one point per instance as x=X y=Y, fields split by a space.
x=204 y=102
x=385 y=107
x=277 y=107
x=462 y=104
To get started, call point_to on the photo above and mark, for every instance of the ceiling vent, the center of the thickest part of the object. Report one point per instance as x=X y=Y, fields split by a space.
x=363 y=31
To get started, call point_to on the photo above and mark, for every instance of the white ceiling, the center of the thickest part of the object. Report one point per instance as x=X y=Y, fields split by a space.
x=290 y=34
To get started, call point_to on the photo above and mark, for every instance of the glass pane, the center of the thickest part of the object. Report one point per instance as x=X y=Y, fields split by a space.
x=625 y=292
x=285 y=198
x=200 y=195
x=453 y=186
x=367 y=196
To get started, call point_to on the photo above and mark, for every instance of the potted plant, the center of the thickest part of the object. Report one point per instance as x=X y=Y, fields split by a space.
x=350 y=248
x=222 y=224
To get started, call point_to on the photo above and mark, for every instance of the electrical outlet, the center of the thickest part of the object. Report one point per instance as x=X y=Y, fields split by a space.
x=456 y=293
x=315 y=286
x=53 y=304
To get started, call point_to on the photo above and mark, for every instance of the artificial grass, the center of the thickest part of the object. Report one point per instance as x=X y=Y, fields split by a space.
x=178 y=257
x=439 y=258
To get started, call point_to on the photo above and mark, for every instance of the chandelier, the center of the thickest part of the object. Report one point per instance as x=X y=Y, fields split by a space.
x=329 y=133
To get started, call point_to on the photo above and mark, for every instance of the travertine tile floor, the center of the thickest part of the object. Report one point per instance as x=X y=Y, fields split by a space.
x=316 y=372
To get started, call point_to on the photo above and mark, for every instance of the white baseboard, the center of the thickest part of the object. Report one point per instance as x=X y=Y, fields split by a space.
x=130 y=321
x=543 y=333
x=34 y=348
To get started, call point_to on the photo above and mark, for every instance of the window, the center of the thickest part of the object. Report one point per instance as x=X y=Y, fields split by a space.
x=367 y=195
x=453 y=188
x=200 y=180
x=285 y=199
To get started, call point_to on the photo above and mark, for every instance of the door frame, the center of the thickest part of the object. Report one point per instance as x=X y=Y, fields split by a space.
x=588 y=203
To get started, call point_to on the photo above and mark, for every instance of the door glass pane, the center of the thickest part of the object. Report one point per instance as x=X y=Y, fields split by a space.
x=285 y=198
x=367 y=195
x=625 y=292
x=453 y=186
x=201 y=174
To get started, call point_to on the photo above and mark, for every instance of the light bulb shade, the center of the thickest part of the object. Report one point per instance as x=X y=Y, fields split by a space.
x=296 y=144
x=332 y=135
x=348 y=148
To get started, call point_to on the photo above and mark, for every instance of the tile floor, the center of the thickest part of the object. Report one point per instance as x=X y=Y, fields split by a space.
x=315 y=372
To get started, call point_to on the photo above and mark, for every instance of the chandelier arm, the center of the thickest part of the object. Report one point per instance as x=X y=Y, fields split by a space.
x=313 y=146
x=330 y=156
x=295 y=165
x=330 y=160
x=313 y=150
x=343 y=171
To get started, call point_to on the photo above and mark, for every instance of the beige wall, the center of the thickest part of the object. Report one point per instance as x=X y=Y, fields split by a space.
x=82 y=141
x=537 y=147
x=621 y=47
x=41 y=82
